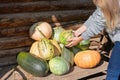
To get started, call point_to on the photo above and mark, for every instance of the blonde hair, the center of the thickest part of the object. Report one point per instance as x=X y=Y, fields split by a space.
x=111 y=11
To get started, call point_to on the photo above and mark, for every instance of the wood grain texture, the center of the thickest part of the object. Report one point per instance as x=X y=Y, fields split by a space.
x=23 y=19
x=8 y=60
x=12 y=52
x=15 y=42
x=39 y=6
x=22 y=1
x=24 y=30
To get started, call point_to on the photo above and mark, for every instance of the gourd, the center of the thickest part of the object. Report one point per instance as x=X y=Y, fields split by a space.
x=65 y=35
x=83 y=45
x=34 y=65
x=59 y=66
x=40 y=30
x=34 y=49
x=43 y=49
x=56 y=33
x=46 y=49
x=87 y=59
x=68 y=55
x=57 y=49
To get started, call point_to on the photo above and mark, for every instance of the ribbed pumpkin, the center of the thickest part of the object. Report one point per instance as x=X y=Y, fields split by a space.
x=40 y=30
x=65 y=35
x=46 y=49
x=57 y=49
x=43 y=49
x=34 y=49
x=87 y=59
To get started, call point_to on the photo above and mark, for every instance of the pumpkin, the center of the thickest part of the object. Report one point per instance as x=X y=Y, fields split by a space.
x=59 y=66
x=57 y=49
x=56 y=33
x=34 y=65
x=34 y=49
x=46 y=49
x=40 y=30
x=43 y=49
x=87 y=59
x=65 y=35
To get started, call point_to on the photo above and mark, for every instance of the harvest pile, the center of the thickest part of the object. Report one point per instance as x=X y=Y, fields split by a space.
x=48 y=53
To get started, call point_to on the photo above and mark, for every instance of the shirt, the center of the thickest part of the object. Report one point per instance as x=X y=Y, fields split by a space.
x=96 y=23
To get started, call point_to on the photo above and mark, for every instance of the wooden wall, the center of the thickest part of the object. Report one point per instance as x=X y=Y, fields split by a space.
x=16 y=17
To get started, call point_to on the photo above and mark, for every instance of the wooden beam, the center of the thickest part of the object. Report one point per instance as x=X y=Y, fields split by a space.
x=12 y=52
x=23 y=19
x=14 y=31
x=24 y=30
x=15 y=42
x=8 y=60
x=39 y=6
x=10 y=1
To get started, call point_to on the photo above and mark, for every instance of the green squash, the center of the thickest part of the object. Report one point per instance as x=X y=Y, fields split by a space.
x=68 y=55
x=59 y=66
x=74 y=49
x=34 y=65
x=65 y=35
x=84 y=45
x=56 y=33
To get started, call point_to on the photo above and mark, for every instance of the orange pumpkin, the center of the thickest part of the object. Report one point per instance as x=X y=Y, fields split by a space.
x=87 y=59
x=40 y=30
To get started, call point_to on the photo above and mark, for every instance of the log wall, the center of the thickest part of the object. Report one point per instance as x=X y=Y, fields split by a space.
x=16 y=17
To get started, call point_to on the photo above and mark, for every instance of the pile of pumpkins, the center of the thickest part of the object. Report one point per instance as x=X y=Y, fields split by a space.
x=48 y=53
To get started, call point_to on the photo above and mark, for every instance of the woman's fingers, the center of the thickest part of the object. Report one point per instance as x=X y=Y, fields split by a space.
x=70 y=44
x=69 y=40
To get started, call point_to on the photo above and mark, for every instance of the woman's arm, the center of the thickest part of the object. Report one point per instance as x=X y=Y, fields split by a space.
x=94 y=25
x=80 y=30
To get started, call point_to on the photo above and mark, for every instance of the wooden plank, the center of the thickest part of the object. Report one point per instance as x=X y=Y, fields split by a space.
x=10 y=1
x=14 y=31
x=98 y=78
x=24 y=30
x=15 y=42
x=45 y=6
x=5 y=71
x=8 y=60
x=12 y=52
x=23 y=19
x=75 y=74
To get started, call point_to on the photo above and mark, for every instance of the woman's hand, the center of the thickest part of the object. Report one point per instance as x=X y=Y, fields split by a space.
x=73 y=41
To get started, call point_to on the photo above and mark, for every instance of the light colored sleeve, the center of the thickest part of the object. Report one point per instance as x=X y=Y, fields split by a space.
x=95 y=24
